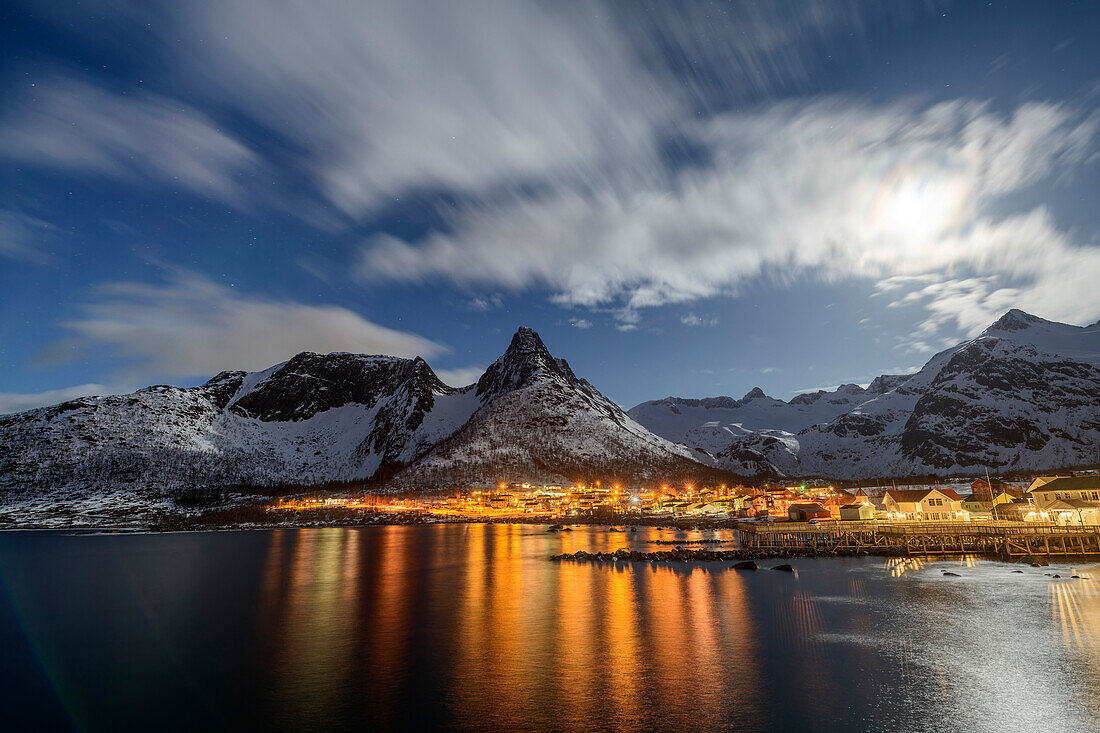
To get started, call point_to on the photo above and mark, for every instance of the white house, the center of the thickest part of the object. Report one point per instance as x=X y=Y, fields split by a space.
x=1068 y=499
x=924 y=505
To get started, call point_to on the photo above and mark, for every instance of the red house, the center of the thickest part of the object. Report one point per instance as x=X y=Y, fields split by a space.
x=806 y=512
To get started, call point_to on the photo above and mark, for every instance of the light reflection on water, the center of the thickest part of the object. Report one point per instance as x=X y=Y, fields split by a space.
x=473 y=627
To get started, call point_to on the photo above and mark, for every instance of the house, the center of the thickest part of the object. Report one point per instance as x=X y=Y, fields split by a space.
x=502 y=501
x=1021 y=510
x=840 y=499
x=806 y=512
x=759 y=504
x=977 y=507
x=934 y=504
x=857 y=512
x=730 y=505
x=983 y=488
x=781 y=501
x=1040 y=481
x=1069 y=500
x=710 y=509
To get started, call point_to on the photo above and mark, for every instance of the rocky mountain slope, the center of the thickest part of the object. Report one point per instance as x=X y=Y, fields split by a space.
x=539 y=420
x=1023 y=395
x=715 y=423
x=337 y=417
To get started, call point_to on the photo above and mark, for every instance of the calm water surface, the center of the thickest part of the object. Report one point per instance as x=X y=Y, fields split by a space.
x=472 y=627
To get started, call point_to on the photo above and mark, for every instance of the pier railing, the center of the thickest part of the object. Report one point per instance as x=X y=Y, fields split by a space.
x=1002 y=537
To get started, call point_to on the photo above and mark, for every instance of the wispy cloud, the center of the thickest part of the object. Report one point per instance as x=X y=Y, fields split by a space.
x=70 y=125
x=831 y=189
x=693 y=320
x=377 y=99
x=190 y=326
x=460 y=377
x=487 y=303
x=23 y=238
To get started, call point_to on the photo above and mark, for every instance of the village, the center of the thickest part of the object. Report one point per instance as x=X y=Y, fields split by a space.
x=1063 y=500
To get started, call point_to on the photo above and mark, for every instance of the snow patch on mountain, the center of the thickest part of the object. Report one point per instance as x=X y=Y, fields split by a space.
x=1023 y=395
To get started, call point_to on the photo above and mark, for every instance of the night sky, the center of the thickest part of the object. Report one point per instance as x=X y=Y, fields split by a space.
x=682 y=198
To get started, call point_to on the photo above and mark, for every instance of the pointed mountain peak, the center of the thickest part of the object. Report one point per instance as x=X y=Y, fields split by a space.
x=1015 y=320
x=527 y=346
x=525 y=357
x=753 y=394
x=526 y=333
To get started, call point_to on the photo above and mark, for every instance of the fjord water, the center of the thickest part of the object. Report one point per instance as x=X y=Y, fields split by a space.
x=473 y=627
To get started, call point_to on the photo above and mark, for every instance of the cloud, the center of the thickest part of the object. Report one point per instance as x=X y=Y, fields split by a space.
x=581 y=323
x=23 y=238
x=70 y=125
x=11 y=402
x=693 y=320
x=387 y=97
x=485 y=304
x=190 y=326
x=375 y=99
x=460 y=377
x=904 y=194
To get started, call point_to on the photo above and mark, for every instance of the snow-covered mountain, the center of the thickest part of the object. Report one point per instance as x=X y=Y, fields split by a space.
x=336 y=417
x=715 y=423
x=539 y=420
x=1023 y=395
x=310 y=420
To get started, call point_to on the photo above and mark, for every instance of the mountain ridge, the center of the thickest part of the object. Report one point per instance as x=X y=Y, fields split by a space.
x=1021 y=395
x=324 y=418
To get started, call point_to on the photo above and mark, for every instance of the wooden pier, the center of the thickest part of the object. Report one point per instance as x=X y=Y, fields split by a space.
x=1003 y=538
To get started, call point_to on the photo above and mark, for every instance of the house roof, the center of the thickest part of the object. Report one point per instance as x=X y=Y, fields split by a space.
x=912 y=496
x=1073 y=504
x=808 y=507
x=1071 y=483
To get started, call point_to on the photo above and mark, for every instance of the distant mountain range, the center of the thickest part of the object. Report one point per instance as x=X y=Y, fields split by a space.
x=319 y=419
x=1023 y=395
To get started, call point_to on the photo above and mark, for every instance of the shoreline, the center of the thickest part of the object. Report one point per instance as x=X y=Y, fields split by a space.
x=678 y=553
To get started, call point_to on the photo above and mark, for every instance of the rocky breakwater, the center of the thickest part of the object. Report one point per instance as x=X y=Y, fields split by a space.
x=702 y=554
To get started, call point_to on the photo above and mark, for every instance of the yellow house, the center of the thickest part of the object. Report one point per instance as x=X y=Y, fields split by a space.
x=924 y=505
x=980 y=508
